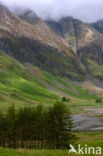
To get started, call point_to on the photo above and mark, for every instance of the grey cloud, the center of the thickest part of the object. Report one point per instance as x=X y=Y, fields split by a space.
x=85 y=10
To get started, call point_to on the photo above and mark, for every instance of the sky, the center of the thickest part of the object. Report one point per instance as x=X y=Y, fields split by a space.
x=85 y=10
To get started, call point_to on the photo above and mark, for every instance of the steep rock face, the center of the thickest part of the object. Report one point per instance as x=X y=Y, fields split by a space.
x=35 y=42
x=85 y=41
x=76 y=33
x=65 y=28
x=20 y=28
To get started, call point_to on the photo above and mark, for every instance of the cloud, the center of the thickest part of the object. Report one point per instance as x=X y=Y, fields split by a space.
x=85 y=10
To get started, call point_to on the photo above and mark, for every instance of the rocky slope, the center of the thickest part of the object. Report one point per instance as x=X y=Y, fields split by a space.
x=68 y=48
x=35 y=42
x=85 y=41
x=20 y=28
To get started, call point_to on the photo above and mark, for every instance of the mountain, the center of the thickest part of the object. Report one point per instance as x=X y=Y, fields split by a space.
x=29 y=16
x=85 y=41
x=39 y=64
x=98 y=26
x=35 y=42
x=27 y=85
x=67 y=48
x=73 y=31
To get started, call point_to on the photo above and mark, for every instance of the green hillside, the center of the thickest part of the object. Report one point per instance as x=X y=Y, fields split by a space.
x=27 y=85
x=19 y=86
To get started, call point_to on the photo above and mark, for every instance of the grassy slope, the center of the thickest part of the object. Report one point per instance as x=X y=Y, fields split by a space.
x=20 y=87
x=27 y=86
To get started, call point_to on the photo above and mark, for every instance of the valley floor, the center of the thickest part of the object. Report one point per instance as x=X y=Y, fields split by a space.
x=91 y=120
x=25 y=88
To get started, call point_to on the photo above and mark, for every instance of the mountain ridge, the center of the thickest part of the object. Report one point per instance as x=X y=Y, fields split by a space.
x=38 y=44
x=85 y=41
x=33 y=71
x=67 y=47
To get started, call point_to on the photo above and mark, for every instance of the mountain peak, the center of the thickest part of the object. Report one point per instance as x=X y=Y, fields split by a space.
x=29 y=12
x=67 y=18
x=29 y=16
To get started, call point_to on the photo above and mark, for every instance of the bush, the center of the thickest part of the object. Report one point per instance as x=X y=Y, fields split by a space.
x=99 y=100
x=64 y=99
x=68 y=99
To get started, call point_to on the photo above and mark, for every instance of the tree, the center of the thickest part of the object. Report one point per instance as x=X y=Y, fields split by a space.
x=40 y=124
x=24 y=126
x=59 y=126
x=98 y=100
x=64 y=99
x=37 y=127
x=3 y=130
x=11 y=126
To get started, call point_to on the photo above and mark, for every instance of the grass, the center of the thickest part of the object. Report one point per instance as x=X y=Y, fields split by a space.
x=94 y=139
x=78 y=105
x=22 y=87
x=20 y=152
x=19 y=86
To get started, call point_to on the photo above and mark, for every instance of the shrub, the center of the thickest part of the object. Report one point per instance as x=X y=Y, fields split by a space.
x=64 y=99
x=68 y=99
x=98 y=100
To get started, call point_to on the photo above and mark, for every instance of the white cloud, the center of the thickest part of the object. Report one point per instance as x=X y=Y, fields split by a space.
x=86 y=10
